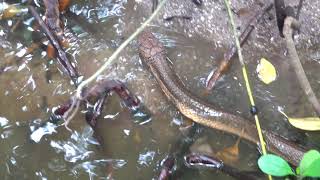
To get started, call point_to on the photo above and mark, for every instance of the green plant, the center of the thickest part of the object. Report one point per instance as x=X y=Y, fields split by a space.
x=276 y=166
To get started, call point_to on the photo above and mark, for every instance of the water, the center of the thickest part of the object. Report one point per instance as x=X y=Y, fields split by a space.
x=30 y=87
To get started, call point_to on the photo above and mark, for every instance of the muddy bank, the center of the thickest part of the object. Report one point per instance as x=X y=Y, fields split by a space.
x=209 y=21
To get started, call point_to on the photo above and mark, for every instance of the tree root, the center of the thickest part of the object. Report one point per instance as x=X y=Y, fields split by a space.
x=289 y=25
x=99 y=92
x=62 y=57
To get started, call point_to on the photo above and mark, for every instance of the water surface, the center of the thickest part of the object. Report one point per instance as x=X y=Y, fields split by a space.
x=32 y=86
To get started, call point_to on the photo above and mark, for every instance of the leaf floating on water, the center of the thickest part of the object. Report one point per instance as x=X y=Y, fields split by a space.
x=307 y=123
x=243 y=12
x=9 y=11
x=64 y=4
x=266 y=71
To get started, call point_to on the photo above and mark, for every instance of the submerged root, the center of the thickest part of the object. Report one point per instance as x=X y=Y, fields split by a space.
x=290 y=25
x=74 y=107
x=98 y=92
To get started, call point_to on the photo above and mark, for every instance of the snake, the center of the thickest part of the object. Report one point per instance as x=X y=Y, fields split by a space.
x=153 y=54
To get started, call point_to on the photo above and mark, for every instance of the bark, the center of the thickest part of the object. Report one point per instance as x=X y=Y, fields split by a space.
x=289 y=25
x=62 y=57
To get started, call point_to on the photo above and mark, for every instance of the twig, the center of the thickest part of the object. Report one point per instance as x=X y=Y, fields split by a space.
x=232 y=52
x=62 y=57
x=299 y=9
x=167 y=164
x=280 y=14
x=99 y=91
x=248 y=87
x=289 y=25
x=68 y=120
x=94 y=112
x=154 y=5
x=117 y=52
x=66 y=116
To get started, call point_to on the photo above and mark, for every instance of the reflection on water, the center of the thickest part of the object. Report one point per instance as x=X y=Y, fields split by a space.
x=75 y=148
x=134 y=145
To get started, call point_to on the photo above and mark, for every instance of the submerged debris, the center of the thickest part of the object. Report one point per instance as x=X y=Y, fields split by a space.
x=213 y=163
x=232 y=52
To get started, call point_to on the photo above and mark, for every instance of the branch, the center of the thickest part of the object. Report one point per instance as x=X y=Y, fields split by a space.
x=62 y=57
x=299 y=9
x=117 y=52
x=99 y=91
x=232 y=51
x=289 y=25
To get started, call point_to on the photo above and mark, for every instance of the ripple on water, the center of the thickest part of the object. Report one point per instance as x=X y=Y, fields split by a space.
x=96 y=168
x=76 y=148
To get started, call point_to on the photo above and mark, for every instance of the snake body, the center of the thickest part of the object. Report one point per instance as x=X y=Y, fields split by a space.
x=153 y=54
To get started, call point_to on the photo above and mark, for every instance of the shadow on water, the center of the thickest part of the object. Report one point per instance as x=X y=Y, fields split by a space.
x=31 y=86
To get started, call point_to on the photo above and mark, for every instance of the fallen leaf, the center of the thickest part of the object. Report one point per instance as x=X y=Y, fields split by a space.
x=9 y=11
x=266 y=71
x=307 y=123
x=51 y=51
x=64 y=4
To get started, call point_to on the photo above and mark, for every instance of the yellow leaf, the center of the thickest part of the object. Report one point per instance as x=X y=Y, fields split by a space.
x=266 y=71
x=9 y=11
x=307 y=123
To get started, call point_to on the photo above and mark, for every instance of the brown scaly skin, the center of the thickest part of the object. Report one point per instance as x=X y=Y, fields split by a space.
x=153 y=55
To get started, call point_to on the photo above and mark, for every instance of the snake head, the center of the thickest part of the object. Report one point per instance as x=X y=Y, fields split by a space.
x=149 y=46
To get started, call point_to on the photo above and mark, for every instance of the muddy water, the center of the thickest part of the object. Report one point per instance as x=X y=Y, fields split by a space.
x=31 y=86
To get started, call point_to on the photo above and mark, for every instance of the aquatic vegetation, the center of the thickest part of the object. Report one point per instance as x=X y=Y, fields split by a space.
x=276 y=166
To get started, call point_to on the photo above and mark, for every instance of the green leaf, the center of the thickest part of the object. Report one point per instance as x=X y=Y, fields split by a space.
x=313 y=170
x=274 y=165
x=310 y=164
x=298 y=170
x=308 y=159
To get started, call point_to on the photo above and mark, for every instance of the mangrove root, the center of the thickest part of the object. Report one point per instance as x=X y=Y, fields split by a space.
x=62 y=57
x=99 y=91
x=289 y=25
